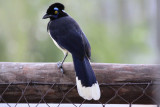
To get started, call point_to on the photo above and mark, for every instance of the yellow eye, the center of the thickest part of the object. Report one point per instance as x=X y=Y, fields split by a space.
x=56 y=12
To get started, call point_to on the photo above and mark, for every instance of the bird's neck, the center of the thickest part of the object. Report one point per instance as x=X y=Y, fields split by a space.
x=48 y=25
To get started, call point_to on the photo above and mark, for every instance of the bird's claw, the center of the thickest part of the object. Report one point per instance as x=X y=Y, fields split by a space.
x=59 y=65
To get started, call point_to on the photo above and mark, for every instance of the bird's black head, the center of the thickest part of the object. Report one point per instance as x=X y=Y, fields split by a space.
x=55 y=11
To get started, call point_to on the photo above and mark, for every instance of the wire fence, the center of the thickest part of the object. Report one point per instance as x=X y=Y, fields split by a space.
x=43 y=84
x=47 y=93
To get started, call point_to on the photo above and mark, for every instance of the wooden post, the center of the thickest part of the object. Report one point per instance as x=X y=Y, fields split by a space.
x=43 y=82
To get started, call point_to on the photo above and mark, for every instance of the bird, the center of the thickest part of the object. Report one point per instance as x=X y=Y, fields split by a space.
x=68 y=36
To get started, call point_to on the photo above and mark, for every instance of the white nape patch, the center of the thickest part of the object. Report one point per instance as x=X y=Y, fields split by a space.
x=63 y=11
x=88 y=93
x=64 y=51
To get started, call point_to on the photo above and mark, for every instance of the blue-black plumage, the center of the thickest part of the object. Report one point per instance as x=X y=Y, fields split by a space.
x=68 y=36
x=84 y=71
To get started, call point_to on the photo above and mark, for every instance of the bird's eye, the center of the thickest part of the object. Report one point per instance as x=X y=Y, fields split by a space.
x=55 y=12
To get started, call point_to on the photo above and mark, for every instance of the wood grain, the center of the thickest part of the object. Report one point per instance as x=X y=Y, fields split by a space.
x=112 y=77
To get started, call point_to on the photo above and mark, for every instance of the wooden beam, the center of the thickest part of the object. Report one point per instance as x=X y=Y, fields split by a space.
x=33 y=80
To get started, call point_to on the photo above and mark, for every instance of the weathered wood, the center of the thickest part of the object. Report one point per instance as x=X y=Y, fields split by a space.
x=110 y=76
x=48 y=72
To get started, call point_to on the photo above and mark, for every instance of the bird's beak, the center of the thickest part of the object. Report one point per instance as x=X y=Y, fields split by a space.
x=46 y=16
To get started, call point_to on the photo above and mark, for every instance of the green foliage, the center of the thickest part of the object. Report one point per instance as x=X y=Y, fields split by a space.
x=24 y=37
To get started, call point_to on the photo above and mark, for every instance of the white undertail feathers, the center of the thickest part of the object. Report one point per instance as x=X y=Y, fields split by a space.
x=88 y=93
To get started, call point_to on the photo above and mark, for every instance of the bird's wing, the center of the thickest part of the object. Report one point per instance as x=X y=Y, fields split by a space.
x=72 y=42
x=68 y=35
x=69 y=40
x=87 y=46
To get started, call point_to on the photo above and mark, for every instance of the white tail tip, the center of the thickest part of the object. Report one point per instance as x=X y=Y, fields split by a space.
x=88 y=93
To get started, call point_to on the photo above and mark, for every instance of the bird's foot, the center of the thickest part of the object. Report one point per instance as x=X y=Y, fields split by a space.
x=59 y=65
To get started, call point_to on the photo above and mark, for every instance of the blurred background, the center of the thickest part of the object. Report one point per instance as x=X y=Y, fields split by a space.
x=119 y=31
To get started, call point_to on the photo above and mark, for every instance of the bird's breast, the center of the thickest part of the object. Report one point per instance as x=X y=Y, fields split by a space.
x=64 y=50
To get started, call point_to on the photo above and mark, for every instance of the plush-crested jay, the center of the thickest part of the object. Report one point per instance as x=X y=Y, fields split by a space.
x=68 y=36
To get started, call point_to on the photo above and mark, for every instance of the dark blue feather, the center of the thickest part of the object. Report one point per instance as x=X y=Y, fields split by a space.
x=84 y=71
x=68 y=35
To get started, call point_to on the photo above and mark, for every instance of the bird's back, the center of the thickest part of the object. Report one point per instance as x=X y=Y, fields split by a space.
x=67 y=28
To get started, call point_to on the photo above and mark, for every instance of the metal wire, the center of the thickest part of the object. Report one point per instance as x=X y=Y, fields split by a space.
x=115 y=88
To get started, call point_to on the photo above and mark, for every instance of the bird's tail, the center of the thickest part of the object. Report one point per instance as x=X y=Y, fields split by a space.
x=87 y=84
